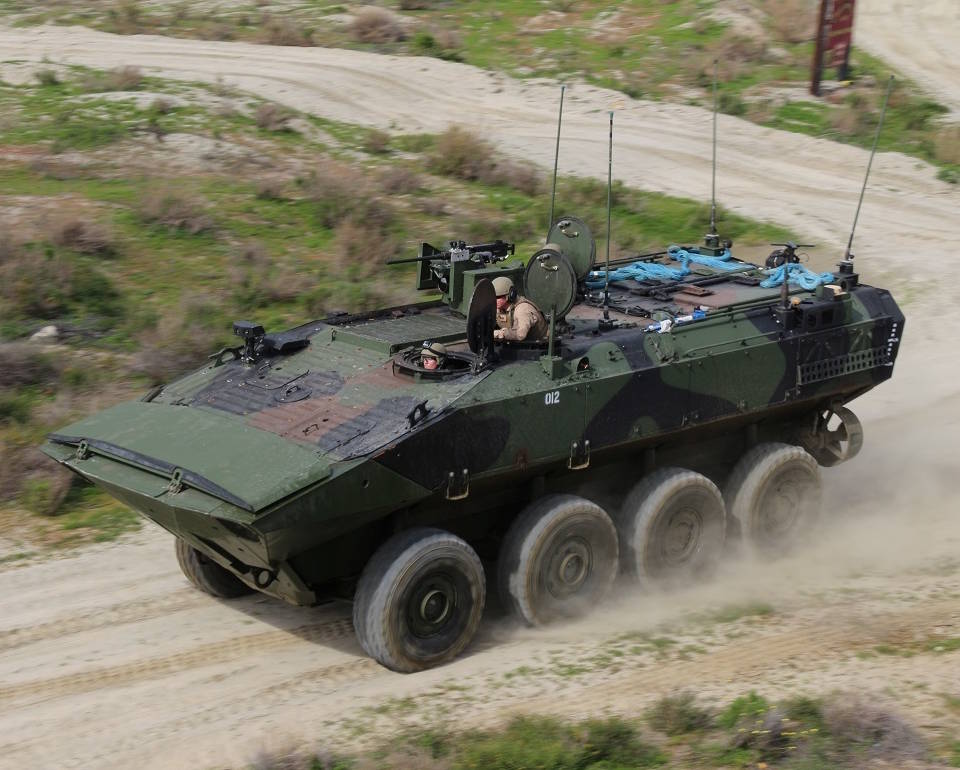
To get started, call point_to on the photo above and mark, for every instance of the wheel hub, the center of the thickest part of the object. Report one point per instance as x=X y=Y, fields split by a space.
x=432 y=605
x=569 y=568
x=682 y=536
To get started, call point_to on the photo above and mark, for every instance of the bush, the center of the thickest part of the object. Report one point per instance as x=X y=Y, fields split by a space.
x=176 y=212
x=47 y=77
x=22 y=365
x=81 y=235
x=949 y=174
x=946 y=145
x=271 y=188
x=678 y=715
x=376 y=142
x=340 y=192
x=399 y=180
x=361 y=248
x=376 y=25
x=857 y=724
x=285 y=32
x=792 y=21
x=462 y=154
x=273 y=117
x=33 y=285
x=181 y=340
x=45 y=494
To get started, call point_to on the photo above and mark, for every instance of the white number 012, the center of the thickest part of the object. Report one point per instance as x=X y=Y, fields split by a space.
x=552 y=398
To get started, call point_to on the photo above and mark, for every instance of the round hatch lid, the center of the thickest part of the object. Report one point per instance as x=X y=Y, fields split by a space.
x=576 y=243
x=482 y=317
x=549 y=282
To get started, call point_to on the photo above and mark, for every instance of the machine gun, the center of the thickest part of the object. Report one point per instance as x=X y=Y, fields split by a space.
x=461 y=251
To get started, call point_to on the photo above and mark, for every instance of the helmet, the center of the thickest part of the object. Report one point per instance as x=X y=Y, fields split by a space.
x=503 y=287
x=433 y=350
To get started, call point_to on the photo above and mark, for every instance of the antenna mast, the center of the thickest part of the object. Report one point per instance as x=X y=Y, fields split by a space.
x=556 y=161
x=713 y=184
x=606 y=272
x=848 y=255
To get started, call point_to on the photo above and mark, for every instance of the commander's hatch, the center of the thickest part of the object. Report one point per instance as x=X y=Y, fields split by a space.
x=572 y=237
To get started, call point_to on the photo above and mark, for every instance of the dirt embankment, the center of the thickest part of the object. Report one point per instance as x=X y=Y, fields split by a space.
x=110 y=659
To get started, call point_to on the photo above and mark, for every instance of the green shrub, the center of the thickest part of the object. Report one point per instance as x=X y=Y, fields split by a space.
x=949 y=174
x=751 y=706
x=48 y=77
x=678 y=715
x=44 y=495
x=15 y=407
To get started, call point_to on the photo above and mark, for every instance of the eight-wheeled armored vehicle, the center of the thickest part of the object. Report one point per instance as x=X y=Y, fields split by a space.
x=678 y=400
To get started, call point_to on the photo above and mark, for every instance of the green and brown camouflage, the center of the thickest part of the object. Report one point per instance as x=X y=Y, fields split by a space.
x=289 y=460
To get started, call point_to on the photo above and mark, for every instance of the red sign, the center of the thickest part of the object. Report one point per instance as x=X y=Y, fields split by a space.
x=840 y=32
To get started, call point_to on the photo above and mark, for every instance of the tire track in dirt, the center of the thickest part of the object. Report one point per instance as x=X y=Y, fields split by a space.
x=202 y=655
x=804 y=649
x=118 y=614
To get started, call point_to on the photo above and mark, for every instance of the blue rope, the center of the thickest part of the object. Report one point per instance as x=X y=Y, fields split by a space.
x=795 y=273
x=721 y=263
x=638 y=270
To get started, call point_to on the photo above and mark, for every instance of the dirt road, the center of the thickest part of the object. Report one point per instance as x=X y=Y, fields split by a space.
x=109 y=659
x=919 y=38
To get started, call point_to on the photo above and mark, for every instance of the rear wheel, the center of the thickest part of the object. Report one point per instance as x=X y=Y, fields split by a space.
x=775 y=494
x=559 y=559
x=419 y=600
x=207 y=575
x=672 y=526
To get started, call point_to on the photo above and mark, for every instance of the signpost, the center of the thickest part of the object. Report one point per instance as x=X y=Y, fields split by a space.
x=833 y=40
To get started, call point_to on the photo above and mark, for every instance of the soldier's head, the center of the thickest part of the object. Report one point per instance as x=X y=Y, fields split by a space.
x=505 y=291
x=432 y=355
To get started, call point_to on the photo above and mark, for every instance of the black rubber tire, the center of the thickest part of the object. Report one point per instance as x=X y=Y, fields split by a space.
x=551 y=535
x=207 y=575
x=775 y=493
x=672 y=526
x=412 y=567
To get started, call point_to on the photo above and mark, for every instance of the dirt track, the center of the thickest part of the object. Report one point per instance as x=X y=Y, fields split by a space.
x=108 y=658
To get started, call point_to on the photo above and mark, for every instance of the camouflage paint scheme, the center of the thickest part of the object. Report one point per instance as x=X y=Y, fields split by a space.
x=292 y=470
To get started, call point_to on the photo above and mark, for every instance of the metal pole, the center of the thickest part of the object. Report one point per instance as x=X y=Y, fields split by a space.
x=556 y=161
x=816 y=70
x=713 y=184
x=876 y=140
x=606 y=272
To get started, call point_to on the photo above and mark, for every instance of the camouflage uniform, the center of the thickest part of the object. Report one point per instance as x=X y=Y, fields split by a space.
x=523 y=321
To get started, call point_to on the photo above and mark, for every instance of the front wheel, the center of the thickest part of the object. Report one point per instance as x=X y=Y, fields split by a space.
x=207 y=575
x=558 y=560
x=419 y=600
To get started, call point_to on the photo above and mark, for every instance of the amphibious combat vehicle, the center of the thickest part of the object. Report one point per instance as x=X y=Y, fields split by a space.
x=676 y=403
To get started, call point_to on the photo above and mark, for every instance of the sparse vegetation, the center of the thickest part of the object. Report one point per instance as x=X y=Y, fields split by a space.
x=678 y=715
x=376 y=25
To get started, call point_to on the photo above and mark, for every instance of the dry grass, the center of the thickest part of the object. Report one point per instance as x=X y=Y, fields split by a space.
x=34 y=285
x=181 y=341
x=361 y=248
x=258 y=281
x=856 y=723
x=341 y=192
x=376 y=142
x=376 y=25
x=461 y=154
x=400 y=180
x=79 y=234
x=175 y=211
x=273 y=117
x=792 y=21
x=284 y=32
x=272 y=188
x=946 y=144
x=22 y=365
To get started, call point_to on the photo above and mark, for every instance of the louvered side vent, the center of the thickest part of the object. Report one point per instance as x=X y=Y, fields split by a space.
x=846 y=364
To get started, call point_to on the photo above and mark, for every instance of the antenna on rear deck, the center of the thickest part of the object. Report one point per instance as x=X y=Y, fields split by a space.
x=713 y=181
x=848 y=254
x=606 y=271
x=556 y=162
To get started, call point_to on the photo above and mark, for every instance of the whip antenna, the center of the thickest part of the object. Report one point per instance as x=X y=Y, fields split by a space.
x=713 y=183
x=606 y=272
x=876 y=139
x=556 y=161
